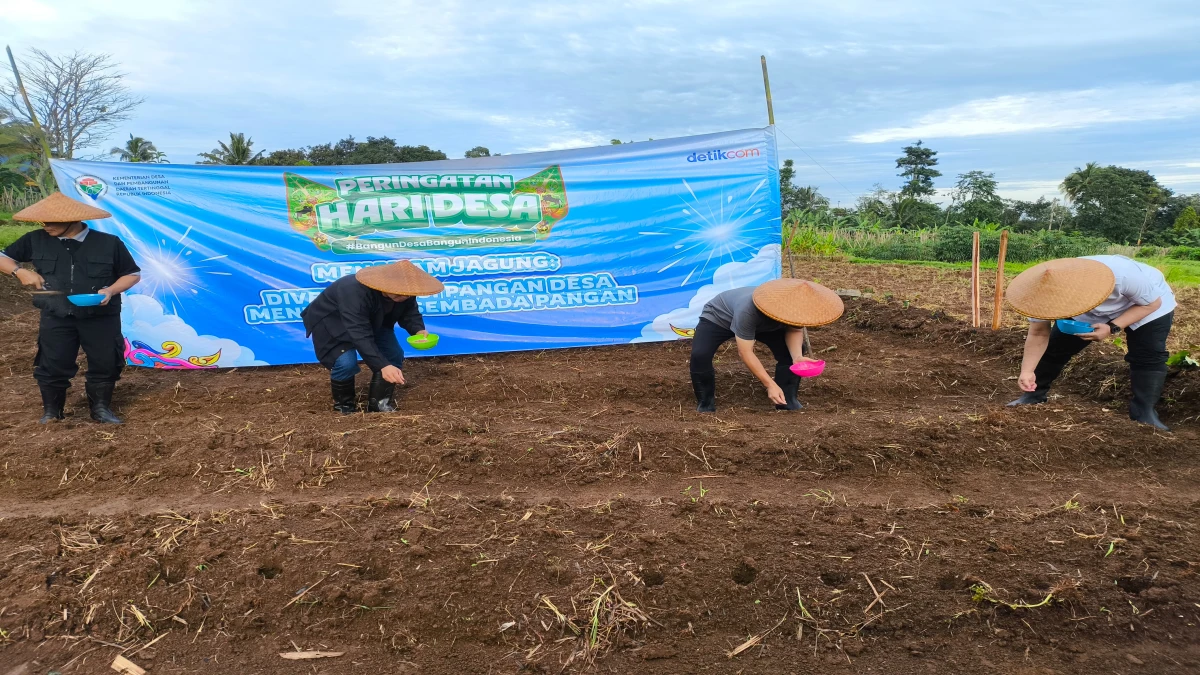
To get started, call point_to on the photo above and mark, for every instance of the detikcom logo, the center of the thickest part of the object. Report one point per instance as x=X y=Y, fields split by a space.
x=717 y=155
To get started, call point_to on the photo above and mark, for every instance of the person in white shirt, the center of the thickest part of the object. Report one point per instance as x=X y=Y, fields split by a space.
x=1112 y=294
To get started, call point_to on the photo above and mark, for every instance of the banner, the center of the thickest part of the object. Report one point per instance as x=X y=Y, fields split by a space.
x=598 y=246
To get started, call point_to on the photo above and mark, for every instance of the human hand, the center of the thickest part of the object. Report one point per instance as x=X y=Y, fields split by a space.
x=776 y=394
x=30 y=279
x=1100 y=332
x=1027 y=381
x=107 y=295
x=392 y=374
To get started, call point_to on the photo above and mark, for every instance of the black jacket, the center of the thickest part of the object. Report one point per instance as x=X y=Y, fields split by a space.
x=74 y=267
x=348 y=315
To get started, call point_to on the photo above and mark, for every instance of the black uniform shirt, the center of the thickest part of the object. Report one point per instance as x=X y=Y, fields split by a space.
x=21 y=251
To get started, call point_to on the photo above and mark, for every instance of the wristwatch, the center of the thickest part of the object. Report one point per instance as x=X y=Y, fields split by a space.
x=1114 y=328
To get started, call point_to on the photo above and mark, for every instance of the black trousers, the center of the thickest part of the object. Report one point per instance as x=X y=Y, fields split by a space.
x=1147 y=350
x=709 y=337
x=59 y=340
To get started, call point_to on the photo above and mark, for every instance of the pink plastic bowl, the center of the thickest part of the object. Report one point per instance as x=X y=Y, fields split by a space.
x=808 y=368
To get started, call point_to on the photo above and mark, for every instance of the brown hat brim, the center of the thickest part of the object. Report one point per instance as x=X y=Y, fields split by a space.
x=59 y=208
x=1060 y=289
x=399 y=278
x=799 y=303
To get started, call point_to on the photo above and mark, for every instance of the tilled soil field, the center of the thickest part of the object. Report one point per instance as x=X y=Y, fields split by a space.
x=567 y=511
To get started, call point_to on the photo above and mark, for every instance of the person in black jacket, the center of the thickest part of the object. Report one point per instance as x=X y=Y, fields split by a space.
x=356 y=317
x=70 y=258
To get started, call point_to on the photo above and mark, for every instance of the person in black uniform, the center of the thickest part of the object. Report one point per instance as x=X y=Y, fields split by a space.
x=356 y=317
x=70 y=258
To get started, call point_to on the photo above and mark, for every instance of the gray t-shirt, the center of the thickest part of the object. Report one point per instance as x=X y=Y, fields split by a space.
x=735 y=310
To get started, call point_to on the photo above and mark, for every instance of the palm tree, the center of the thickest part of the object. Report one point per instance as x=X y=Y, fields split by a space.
x=138 y=149
x=1078 y=181
x=239 y=151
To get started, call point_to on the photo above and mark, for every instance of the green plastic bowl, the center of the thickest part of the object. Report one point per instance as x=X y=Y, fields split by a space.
x=423 y=341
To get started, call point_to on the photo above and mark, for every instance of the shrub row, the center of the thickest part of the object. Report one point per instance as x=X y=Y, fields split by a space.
x=947 y=244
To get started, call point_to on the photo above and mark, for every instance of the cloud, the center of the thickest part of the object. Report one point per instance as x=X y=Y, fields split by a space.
x=763 y=267
x=27 y=10
x=143 y=319
x=1023 y=113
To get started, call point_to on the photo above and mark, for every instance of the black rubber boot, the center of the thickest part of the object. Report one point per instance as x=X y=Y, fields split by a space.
x=1147 y=388
x=381 y=395
x=705 y=386
x=344 y=396
x=99 y=397
x=53 y=400
x=789 y=382
x=1030 y=397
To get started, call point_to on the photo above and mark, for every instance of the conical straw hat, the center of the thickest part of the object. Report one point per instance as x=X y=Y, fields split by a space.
x=399 y=278
x=1060 y=289
x=59 y=208
x=796 y=302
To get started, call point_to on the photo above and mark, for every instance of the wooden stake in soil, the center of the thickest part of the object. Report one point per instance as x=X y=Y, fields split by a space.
x=975 y=280
x=998 y=307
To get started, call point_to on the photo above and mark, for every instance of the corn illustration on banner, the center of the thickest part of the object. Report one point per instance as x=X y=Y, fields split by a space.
x=596 y=246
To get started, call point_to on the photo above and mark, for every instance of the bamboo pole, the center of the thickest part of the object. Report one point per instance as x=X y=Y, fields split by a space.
x=975 y=280
x=767 y=86
x=37 y=126
x=998 y=306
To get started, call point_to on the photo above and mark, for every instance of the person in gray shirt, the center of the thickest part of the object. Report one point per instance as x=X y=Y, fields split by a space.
x=774 y=314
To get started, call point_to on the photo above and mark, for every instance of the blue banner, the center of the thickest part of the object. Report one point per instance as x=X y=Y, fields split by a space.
x=584 y=247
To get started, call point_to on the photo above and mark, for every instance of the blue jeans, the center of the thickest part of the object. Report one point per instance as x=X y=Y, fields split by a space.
x=346 y=366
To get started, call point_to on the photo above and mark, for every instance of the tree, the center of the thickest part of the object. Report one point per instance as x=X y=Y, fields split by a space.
x=21 y=155
x=286 y=158
x=1162 y=228
x=1078 y=181
x=138 y=149
x=79 y=99
x=917 y=164
x=1113 y=202
x=1188 y=220
x=240 y=150
x=478 y=151
x=975 y=198
x=381 y=150
x=11 y=180
x=1032 y=216
x=792 y=198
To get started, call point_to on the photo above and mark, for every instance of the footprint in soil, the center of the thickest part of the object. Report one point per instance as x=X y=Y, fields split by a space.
x=270 y=569
x=1134 y=585
x=745 y=572
x=832 y=579
x=653 y=577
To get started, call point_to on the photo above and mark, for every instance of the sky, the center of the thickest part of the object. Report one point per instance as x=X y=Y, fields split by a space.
x=1028 y=90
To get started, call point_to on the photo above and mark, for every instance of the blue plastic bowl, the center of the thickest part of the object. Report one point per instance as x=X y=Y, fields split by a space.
x=1072 y=327
x=86 y=299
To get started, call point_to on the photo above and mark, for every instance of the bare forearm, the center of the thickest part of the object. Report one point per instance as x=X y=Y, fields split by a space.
x=1035 y=347
x=124 y=283
x=756 y=367
x=8 y=265
x=1137 y=313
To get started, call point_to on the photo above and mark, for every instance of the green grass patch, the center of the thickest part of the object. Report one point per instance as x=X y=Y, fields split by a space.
x=983 y=264
x=1179 y=273
x=10 y=233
